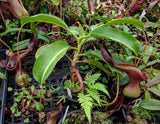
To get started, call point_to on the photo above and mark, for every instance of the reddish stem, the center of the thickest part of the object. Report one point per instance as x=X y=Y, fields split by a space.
x=73 y=69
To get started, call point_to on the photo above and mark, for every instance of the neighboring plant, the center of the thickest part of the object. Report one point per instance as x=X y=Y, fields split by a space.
x=26 y=101
x=26 y=46
x=92 y=95
x=29 y=101
x=152 y=88
x=141 y=115
x=80 y=117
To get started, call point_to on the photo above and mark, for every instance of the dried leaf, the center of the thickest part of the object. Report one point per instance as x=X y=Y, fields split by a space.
x=135 y=6
x=151 y=5
x=91 y=6
x=53 y=115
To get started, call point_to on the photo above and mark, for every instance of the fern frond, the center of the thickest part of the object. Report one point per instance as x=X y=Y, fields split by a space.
x=91 y=79
x=95 y=95
x=101 y=87
x=86 y=102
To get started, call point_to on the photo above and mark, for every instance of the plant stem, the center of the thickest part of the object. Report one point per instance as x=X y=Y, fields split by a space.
x=74 y=48
x=5 y=44
x=69 y=58
x=116 y=94
x=76 y=54
x=1 y=14
x=19 y=61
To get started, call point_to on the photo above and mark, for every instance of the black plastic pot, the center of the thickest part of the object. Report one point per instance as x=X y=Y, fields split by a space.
x=3 y=90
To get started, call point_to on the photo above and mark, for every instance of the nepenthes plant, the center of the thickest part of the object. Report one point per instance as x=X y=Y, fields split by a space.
x=47 y=56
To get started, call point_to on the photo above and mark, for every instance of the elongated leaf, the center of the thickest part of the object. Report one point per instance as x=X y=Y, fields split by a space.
x=38 y=105
x=125 y=20
x=158 y=86
x=147 y=54
x=150 y=104
x=42 y=35
x=15 y=30
x=22 y=45
x=48 y=59
x=97 y=64
x=104 y=115
x=118 y=36
x=154 y=90
x=44 y=18
x=147 y=95
x=3 y=76
x=95 y=54
x=154 y=81
x=55 y=2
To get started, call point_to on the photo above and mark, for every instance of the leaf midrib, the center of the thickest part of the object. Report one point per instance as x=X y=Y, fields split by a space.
x=51 y=63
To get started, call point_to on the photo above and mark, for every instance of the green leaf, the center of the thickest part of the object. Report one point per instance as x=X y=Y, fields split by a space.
x=75 y=30
x=153 y=62
x=3 y=76
x=154 y=90
x=38 y=105
x=22 y=45
x=86 y=103
x=94 y=94
x=125 y=20
x=32 y=88
x=158 y=86
x=147 y=54
x=10 y=88
x=102 y=88
x=14 y=30
x=95 y=54
x=42 y=35
x=147 y=95
x=44 y=18
x=40 y=50
x=17 y=114
x=91 y=79
x=25 y=91
x=154 y=81
x=26 y=120
x=118 y=36
x=104 y=115
x=97 y=64
x=55 y=2
x=150 y=104
x=48 y=59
